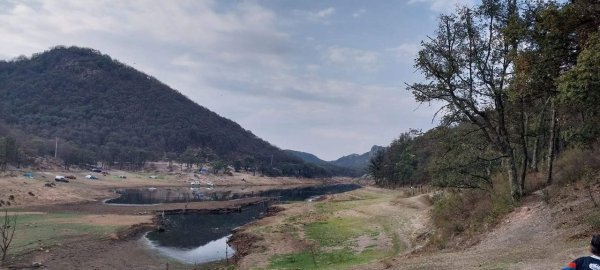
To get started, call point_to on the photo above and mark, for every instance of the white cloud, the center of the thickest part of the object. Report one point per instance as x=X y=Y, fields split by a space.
x=353 y=58
x=333 y=114
x=321 y=16
x=443 y=6
x=325 y=12
x=246 y=33
x=359 y=13
x=235 y=59
x=405 y=52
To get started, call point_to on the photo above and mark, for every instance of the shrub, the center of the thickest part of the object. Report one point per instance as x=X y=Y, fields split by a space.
x=467 y=212
x=594 y=221
x=568 y=167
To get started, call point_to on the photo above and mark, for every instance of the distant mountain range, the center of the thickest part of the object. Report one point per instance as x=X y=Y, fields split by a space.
x=357 y=161
x=108 y=111
x=357 y=164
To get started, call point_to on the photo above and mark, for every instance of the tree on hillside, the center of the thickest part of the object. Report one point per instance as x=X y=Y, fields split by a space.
x=463 y=159
x=548 y=50
x=217 y=165
x=188 y=157
x=580 y=91
x=375 y=167
x=237 y=165
x=9 y=152
x=467 y=65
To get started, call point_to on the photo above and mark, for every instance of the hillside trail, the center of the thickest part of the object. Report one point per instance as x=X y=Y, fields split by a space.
x=534 y=236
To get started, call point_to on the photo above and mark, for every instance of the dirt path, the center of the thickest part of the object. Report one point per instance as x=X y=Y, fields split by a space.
x=535 y=236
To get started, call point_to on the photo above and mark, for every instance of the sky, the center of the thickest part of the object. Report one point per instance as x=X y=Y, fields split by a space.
x=326 y=77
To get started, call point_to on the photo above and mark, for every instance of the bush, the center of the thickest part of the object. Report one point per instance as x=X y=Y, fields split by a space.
x=568 y=167
x=467 y=212
x=594 y=221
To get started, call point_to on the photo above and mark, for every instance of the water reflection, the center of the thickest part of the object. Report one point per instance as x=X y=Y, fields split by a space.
x=180 y=194
x=200 y=238
x=212 y=251
x=191 y=231
x=203 y=238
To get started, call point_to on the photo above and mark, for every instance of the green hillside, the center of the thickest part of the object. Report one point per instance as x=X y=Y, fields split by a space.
x=111 y=112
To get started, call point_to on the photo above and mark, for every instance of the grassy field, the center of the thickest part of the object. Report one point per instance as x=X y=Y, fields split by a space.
x=34 y=231
x=346 y=230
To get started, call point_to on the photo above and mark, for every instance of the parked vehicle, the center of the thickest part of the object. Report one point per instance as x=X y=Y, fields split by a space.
x=96 y=170
x=91 y=176
x=60 y=178
x=70 y=177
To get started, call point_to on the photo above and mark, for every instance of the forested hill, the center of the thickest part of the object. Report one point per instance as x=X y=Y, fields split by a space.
x=335 y=169
x=111 y=111
x=308 y=157
x=356 y=161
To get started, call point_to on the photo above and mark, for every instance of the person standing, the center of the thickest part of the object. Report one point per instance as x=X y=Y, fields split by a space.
x=589 y=262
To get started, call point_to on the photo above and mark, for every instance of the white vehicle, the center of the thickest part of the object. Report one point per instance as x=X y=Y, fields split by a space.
x=60 y=178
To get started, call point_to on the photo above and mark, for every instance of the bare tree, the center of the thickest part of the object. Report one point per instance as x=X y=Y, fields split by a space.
x=7 y=232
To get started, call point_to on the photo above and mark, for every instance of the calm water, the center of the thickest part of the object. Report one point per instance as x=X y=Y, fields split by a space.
x=197 y=239
x=200 y=238
x=180 y=194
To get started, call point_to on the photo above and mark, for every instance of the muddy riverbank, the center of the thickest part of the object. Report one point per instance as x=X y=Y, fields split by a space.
x=81 y=231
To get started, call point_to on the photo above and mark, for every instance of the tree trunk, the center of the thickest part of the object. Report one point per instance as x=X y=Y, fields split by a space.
x=551 y=143
x=524 y=150
x=534 y=154
x=511 y=169
x=536 y=145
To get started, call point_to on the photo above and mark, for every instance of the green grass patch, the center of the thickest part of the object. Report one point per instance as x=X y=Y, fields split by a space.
x=322 y=260
x=337 y=232
x=332 y=207
x=34 y=231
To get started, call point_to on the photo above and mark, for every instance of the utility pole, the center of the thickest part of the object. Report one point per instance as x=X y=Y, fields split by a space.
x=271 y=160
x=56 y=147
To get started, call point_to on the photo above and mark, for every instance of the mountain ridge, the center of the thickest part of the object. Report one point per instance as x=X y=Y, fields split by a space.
x=357 y=163
x=114 y=112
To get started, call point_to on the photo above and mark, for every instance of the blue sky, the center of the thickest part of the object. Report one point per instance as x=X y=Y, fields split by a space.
x=325 y=77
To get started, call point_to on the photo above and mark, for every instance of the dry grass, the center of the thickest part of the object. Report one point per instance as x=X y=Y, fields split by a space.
x=459 y=216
